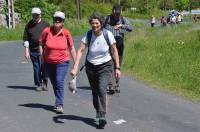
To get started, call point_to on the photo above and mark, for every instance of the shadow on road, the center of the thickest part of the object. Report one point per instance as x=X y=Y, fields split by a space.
x=22 y=87
x=89 y=121
x=37 y=105
x=84 y=87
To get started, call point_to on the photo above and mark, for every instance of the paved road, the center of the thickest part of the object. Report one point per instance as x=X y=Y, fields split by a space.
x=144 y=109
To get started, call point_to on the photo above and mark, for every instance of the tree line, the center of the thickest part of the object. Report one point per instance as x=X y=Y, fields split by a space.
x=103 y=6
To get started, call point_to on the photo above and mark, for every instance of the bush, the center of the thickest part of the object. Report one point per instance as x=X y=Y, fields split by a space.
x=24 y=8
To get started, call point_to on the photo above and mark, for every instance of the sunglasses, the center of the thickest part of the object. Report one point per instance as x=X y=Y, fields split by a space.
x=117 y=14
x=57 y=20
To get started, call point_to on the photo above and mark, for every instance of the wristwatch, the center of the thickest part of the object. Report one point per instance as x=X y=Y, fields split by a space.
x=118 y=68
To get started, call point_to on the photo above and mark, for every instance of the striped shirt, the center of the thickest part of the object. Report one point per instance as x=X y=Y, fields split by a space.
x=110 y=22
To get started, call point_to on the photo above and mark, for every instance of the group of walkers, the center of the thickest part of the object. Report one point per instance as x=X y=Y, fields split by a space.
x=51 y=47
x=172 y=18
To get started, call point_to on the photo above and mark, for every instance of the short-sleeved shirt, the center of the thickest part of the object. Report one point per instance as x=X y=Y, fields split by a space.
x=98 y=50
x=33 y=31
x=57 y=46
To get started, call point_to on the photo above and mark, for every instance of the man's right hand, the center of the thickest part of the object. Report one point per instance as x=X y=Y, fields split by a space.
x=27 y=54
x=117 y=27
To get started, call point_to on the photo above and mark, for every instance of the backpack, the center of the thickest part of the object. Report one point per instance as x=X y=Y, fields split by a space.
x=110 y=21
x=105 y=34
x=107 y=20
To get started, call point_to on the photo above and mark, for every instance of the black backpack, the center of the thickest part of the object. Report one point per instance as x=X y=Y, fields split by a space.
x=108 y=20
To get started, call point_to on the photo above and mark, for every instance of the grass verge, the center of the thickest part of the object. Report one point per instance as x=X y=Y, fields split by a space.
x=75 y=26
x=167 y=58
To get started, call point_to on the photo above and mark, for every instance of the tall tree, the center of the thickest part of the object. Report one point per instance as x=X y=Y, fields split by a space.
x=181 y=4
x=166 y=4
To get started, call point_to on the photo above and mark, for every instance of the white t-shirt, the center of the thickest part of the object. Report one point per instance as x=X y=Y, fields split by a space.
x=153 y=20
x=99 y=49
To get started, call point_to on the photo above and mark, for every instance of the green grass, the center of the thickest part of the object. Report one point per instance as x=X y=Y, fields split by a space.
x=167 y=58
x=76 y=27
x=11 y=34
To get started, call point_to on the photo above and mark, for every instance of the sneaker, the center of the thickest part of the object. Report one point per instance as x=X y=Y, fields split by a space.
x=117 y=90
x=44 y=86
x=110 y=89
x=38 y=88
x=59 y=110
x=54 y=108
x=102 y=122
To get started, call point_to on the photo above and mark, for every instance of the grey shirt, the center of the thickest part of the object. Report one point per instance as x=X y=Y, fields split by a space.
x=110 y=22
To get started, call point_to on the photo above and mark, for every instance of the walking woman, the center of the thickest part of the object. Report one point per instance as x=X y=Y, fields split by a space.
x=98 y=64
x=58 y=46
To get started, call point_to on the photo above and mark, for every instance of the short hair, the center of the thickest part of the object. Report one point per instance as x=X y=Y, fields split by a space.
x=97 y=16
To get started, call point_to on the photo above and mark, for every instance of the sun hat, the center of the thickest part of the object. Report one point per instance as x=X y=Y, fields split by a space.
x=59 y=14
x=36 y=10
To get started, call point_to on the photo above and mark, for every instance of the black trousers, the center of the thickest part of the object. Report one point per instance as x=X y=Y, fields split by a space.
x=98 y=76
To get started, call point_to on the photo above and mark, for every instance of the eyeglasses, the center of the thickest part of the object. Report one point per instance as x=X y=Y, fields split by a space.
x=57 y=20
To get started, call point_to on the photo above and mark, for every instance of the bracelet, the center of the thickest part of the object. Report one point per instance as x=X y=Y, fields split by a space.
x=117 y=68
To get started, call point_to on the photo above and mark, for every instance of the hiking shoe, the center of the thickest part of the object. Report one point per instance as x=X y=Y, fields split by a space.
x=38 y=88
x=102 y=122
x=110 y=89
x=117 y=90
x=44 y=86
x=54 y=108
x=59 y=110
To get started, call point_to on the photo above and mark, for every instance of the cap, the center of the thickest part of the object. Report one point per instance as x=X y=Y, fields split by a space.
x=59 y=14
x=36 y=10
x=116 y=9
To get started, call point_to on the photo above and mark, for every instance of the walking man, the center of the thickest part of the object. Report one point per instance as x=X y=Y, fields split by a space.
x=32 y=33
x=118 y=25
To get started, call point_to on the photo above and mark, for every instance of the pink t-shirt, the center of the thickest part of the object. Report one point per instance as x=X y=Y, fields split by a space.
x=57 y=46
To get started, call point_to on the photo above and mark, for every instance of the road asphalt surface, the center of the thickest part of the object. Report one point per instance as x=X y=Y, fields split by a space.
x=138 y=108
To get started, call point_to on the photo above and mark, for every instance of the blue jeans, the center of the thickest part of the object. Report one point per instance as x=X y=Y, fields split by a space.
x=38 y=68
x=36 y=61
x=57 y=73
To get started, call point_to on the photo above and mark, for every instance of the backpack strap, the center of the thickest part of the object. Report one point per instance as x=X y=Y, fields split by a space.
x=107 y=20
x=105 y=34
x=89 y=37
x=122 y=20
x=66 y=33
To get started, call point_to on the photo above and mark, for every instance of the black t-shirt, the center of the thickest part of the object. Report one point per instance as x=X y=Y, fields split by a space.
x=33 y=32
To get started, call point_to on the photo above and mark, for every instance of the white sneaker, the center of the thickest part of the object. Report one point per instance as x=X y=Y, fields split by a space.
x=59 y=110
x=38 y=88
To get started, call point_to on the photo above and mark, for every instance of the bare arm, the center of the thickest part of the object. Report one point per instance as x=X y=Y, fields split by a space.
x=41 y=52
x=73 y=53
x=79 y=54
x=116 y=61
x=40 y=49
